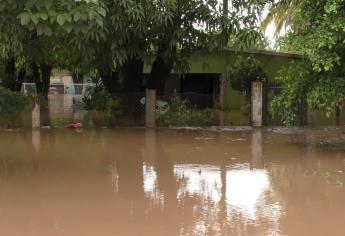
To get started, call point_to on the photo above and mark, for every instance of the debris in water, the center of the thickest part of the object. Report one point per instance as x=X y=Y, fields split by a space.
x=339 y=183
x=203 y=138
x=309 y=173
x=238 y=140
x=77 y=125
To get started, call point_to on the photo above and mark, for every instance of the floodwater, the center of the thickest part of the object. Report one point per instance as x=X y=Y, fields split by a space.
x=172 y=182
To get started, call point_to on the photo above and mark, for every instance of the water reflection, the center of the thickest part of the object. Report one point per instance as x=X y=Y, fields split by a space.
x=257 y=160
x=214 y=197
x=64 y=109
x=36 y=140
x=146 y=182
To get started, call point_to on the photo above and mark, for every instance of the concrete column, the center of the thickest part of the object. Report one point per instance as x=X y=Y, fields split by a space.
x=222 y=93
x=150 y=113
x=222 y=96
x=257 y=104
x=36 y=114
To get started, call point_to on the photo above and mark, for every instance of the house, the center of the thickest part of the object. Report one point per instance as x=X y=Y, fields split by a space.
x=206 y=84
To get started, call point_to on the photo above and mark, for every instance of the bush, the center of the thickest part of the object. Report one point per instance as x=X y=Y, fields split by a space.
x=295 y=80
x=12 y=105
x=98 y=99
x=243 y=72
x=181 y=114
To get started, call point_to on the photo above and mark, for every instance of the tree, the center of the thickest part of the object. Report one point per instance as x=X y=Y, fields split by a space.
x=317 y=33
x=182 y=37
x=51 y=23
x=280 y=14
x=11 y=47
x=114 y=38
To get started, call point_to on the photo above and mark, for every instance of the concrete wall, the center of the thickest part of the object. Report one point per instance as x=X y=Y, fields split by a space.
x=218 y=62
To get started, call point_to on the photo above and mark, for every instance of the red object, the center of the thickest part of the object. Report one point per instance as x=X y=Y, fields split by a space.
x=77 y=125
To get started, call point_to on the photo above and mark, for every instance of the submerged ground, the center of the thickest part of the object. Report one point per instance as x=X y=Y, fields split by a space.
x=172 y=182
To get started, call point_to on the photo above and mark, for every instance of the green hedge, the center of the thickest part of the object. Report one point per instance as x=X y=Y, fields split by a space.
x=12 y=106
x=181 y=114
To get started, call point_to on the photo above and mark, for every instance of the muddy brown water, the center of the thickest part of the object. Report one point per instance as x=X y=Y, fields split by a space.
x=172 y=182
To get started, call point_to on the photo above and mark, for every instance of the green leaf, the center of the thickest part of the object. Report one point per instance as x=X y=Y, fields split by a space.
x=52 y=13
x=24 y=18
x=35 y=18
x=47 y=30
x=44 y=16
x=48 y=4
x=61 y=19
x=102 y=12
x=44 y=29
x=68 y=28
x=30 y=3
x=77 y=16
x=68 y=17
x=52 y=19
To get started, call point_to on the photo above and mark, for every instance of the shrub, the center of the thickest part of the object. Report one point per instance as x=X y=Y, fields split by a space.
x=12 y=104
x=181 y=114
x=243 y=72
x=295 y=80
x=98 y=99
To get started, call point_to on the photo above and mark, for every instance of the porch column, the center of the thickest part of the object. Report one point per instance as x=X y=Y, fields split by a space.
x=257 y=104
x=150 y=113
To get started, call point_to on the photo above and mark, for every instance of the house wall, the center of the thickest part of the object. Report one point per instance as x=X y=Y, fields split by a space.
x=219 y=62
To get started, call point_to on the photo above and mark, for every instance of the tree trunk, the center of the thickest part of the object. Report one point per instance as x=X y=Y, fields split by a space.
x=225 y=7
x=225 y=35
x=35 y=76
x=78 y=78
x=46 y=72
x=10 y=74
x=132 y=73
x=21 y=78
x=132 y=78
x=111 y=81
x=159 y=74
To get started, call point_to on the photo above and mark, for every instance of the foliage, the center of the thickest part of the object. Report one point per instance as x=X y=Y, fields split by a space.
x=280 y=14
x=300 y=82
x=252 y=39
x=105 y=35
x=243 y=72
x=317 y=33
x=182 y=114
x=12 y=104
x=294 y=80
x=51 y=17
x=98 y=99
